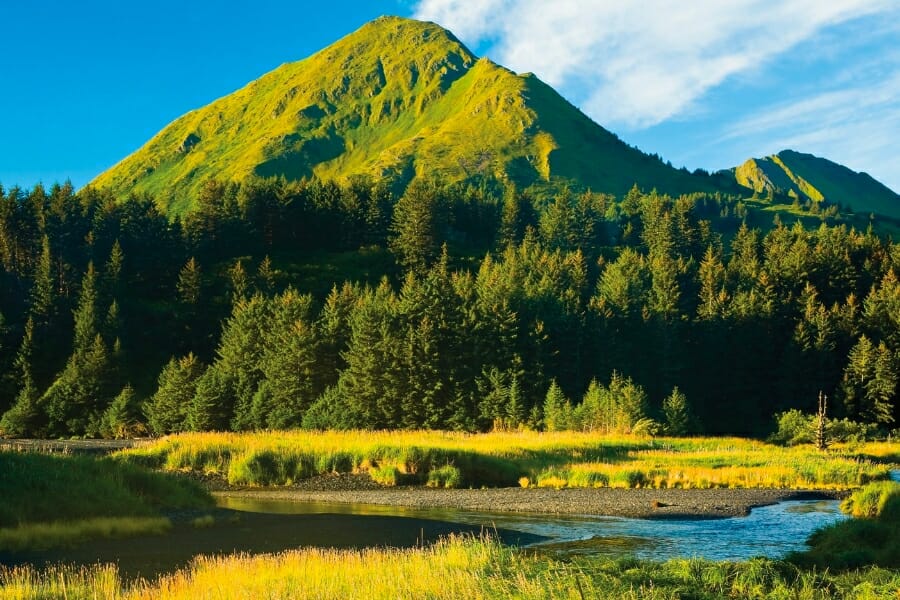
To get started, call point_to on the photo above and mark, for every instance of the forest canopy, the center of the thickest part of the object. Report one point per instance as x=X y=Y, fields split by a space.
x=319 y=304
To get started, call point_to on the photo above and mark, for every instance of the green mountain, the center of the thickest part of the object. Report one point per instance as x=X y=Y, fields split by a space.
x=809 y=177
x=398 y=99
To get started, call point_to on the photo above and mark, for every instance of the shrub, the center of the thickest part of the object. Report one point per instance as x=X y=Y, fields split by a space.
x=794 y=428
x=385 y=475
x=447 y=476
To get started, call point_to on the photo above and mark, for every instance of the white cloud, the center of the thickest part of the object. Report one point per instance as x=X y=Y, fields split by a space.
x=636 y=63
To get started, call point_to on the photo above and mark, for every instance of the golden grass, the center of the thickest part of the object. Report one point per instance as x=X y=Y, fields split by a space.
x=454 y=568
x=559 y=459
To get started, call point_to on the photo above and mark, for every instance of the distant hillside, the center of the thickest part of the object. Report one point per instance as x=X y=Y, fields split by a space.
x=810 y=177
x=398 y=99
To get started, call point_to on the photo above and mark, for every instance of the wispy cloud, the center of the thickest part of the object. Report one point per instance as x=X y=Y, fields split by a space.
x=635 y=63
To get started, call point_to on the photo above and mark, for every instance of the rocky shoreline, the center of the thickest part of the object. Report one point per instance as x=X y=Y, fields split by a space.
x=639 y=503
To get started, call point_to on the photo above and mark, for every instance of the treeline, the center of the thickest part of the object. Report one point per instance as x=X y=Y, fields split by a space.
x=587 y=312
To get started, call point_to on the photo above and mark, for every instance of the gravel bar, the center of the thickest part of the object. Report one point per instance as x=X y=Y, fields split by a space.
x=639 y=503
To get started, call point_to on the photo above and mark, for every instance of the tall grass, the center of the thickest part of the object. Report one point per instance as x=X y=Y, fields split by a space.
x=45 y=488
x=456 y=568
x=564 y=459
x=872 y=537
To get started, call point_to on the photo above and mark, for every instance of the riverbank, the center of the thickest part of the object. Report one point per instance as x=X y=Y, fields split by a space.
x=637 y=503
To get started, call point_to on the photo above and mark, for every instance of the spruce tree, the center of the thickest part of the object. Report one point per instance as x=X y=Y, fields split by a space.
x=78 y=397
x=238 y=282
x=417 y=226
x=212 y=408
x=42 y=290
x=558 y=414
x=26 y=417
x=122 y=418
x=265 y=276
x=289 y=367
x=190 y=283
x=676 y=411
x=168 y=409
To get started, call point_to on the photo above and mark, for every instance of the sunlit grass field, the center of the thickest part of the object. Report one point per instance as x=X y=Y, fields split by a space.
x=563 y=459
x=454 y=568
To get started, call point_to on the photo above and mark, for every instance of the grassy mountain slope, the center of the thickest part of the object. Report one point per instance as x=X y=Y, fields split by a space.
x=808 y=176
x=399 y=99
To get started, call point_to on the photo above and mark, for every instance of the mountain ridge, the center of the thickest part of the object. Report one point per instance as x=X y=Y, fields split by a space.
x=396 y=99
x=809 y=177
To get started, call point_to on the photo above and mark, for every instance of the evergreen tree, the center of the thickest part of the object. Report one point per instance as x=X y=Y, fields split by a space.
x=113 y=271
x=265 y=276
x=213 y=405
x=25 y=418
x=369 y=383
x=558 y=414
x=75 y=402
x=42 y=290
x=417 y=226
x=516 y=216
x=493 y=393
x=123 y=417
x=677 y=414
x=713 y=292
x=239 y=284
x=869 y=384
x=289 y=370
x=558 y=227
x=240 y=355
x=169 y=407
x=190 y=283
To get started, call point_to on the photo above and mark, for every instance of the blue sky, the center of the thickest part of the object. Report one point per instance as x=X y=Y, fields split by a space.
x=707 y=83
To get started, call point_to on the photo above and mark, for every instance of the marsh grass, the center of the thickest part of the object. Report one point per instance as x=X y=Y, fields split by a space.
x=454 y=568
x=872 y=537
x=40 y=488
x=564 y=459
x=880 y=500
x=447 y=476
x=42 y=536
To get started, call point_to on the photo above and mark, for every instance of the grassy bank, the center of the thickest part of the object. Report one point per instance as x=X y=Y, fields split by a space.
x=51 y=500
x=872 y=537
x=525 y=458
x=453 y=569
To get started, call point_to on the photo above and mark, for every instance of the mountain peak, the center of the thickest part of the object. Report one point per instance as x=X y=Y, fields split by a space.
x=818 y=179
x=396 y=99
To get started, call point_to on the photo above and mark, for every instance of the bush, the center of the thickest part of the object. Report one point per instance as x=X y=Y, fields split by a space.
x=447 y=476
x=845 y=430
x=385 y=475
x=794 y=428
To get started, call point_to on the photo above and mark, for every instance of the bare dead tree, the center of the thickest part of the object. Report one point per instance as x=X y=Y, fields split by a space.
x=821 y=421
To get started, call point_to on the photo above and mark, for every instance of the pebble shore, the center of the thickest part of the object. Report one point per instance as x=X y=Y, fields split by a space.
x=640 y=503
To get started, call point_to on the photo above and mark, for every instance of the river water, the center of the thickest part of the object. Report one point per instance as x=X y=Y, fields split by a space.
x=771 y=531
x=259 y=526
